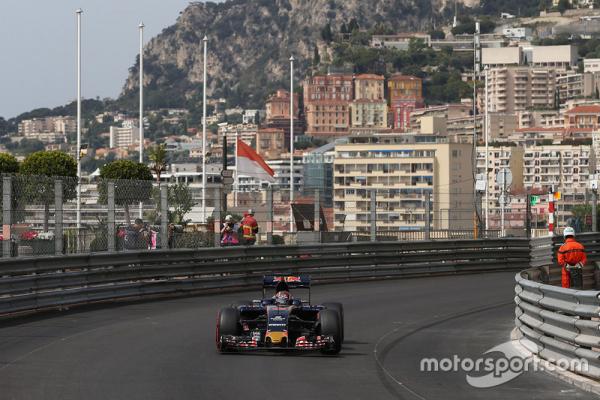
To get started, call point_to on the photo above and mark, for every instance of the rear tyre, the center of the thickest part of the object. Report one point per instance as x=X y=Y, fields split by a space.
x=228 y=323
x=329 y=322
x=340 y=310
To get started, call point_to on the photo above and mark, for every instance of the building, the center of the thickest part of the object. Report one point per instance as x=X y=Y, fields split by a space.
x=514 y=89
x=591 y=65
x=400 y=41
x=446 y=111
x=317 y=166
x=369 y=113
x=270 y=143
x=563 y=57
x=517 y=32
x=583 y=117
x=327 y=100
x=504 y=57
x=404 y=176
x=369 y=87
x=47 y=129
x=557 y=57
x=123 y=137
x=245 y=132
x=405 y=94
x=253 y=116
x=278 y=106
x=537 y=169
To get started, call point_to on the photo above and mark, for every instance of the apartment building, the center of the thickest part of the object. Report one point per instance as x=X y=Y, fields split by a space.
x=369 y=113
x=123 y=137
x=557 y=57
x=404 y=175
x=245 y=132
x=587 y=116
x=538 y=169
x=405 y=94
x=270 y=143
x=278 y=106
x=327 y=100
x=514 y=89
x=369 y=87
x=48 y=129
x=317 y=167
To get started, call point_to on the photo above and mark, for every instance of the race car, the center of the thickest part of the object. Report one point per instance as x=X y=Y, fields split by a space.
x=281 y=322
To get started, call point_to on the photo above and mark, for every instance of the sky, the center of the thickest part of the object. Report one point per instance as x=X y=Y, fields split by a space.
x=38 y=48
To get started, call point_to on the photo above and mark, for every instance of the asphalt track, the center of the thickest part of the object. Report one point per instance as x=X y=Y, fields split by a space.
x=165 y=349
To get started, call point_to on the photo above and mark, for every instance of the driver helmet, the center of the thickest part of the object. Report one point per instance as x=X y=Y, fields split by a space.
x=283 y=298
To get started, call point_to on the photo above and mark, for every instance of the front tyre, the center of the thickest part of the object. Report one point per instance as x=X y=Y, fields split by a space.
x=329 y=325
x=340 y=310
x=228 y=324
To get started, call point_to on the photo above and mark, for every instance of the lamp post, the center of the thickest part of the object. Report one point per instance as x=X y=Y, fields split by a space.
x=487 y=160
x=291 y=142
x=141 y=122
x=205 y=42
x=79 y=12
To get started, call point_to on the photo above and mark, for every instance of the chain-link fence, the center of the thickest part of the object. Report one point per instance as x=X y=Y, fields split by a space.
x=48 y=215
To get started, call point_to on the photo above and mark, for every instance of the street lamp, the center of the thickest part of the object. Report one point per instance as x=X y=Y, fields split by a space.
x=141 y=123
x=79 y=12
x=291 y=142
x=205 y=42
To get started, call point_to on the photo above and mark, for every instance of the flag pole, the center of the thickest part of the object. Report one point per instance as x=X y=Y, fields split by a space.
x=237 y=174
x=291 y=142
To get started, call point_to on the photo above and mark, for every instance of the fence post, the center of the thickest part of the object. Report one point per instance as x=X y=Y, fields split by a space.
x=428 y=216
x=111 y=220
x=594 y=210
x=6 y=216
x=58 y=217
x=373 y=215
x=269 y=215
x=217 y=218
x=164 y=216
x=317 y=215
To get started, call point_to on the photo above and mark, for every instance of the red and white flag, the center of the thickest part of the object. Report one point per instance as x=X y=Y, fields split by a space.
x=250 y=163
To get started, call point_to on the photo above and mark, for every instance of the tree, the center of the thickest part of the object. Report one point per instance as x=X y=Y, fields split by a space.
x=42 y=168
x=132 y=183
x=326 y=33
x=8 y=164
x=316 y=57
x=353 y=25
x=158 y=156
x=563 y=5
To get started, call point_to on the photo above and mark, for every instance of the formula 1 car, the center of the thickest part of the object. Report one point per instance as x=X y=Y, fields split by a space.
x=281 y=322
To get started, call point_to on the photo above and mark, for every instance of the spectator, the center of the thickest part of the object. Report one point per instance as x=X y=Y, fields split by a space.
x=229 y=235
x=249 y=228
x=137 y=236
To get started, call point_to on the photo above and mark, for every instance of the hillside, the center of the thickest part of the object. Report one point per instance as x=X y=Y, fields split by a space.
x=252 y=40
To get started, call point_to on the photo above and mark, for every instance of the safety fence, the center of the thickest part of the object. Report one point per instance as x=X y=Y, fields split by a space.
x=32 y=284
x=558 y=324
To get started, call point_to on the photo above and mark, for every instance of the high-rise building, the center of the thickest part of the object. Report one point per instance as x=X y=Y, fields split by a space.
x=123 y=137
x=327 y=100
x=403 y=175
x=405 y=94
x=318 y=172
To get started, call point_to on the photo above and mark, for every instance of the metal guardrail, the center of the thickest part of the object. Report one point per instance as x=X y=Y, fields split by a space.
x=34 y=284
x=559 y=323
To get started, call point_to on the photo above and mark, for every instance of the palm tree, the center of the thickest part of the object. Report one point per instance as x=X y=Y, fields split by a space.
x=158 y=157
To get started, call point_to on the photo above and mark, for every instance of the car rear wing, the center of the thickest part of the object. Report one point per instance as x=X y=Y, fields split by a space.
x=292 y=281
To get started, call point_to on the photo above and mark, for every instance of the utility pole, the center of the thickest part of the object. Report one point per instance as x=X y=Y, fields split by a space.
x=205 y=41
x=487 y=152
x=291 y=142
x=503 y=203
x=141 y=123
x=79 y=12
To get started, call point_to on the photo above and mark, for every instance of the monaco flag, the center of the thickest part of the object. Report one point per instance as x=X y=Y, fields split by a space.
x=249 y=163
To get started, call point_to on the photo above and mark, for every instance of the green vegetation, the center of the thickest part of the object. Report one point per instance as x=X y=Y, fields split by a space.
x=158 y=156
x=8 y=164
x=133 y=183
x=44 y=167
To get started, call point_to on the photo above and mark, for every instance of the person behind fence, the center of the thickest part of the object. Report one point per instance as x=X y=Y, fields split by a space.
x=571 y=258
x=229 y=235
x=249 y=228
x=137 y=236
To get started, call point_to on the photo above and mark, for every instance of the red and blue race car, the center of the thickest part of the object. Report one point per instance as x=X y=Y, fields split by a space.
x=281 y=322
